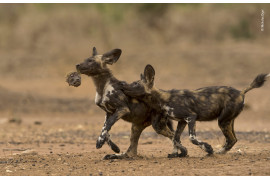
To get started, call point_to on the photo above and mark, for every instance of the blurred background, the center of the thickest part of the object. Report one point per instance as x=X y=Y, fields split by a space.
x=189 y=45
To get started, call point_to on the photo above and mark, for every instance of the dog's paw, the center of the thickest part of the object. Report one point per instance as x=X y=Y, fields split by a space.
x=115 y=156
x=100 y=142
x=110 y=156
x=208 y=148
x=221 y=151
x=183 y=154
x=173 y=155
x=113 y=146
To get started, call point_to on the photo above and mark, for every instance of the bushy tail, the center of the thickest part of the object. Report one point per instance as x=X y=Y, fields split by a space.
x=257 y=82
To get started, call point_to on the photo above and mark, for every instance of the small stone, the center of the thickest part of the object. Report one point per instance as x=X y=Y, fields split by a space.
x=30 y=152
x=239 y=151
x=37 y=122
x=148 y=142
x=100 y=173
x=15 y=120
x=9 y=171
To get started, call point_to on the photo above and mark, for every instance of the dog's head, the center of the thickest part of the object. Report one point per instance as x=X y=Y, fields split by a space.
x=97 y=64
x=73 y=79
x=142 y=87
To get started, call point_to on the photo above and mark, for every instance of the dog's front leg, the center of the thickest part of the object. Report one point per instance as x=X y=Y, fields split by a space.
x=177 y=142
x=112 y=145
x=109 y=122
x=191 y=121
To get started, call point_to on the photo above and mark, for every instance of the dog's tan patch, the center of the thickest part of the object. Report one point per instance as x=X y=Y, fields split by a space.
x=214 y=96
x=223 y=90
x=98 y=59
x=239 y=99
x=135 y=101
x=202 y=98
x=165 y=96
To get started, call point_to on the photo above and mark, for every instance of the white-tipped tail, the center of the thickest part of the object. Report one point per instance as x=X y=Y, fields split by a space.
x=268 y=75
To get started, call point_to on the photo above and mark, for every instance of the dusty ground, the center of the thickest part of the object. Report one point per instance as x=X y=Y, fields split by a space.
x=52 y=147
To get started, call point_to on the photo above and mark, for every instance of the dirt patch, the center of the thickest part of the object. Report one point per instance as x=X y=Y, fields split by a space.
x=52 y=148
x=87 y=164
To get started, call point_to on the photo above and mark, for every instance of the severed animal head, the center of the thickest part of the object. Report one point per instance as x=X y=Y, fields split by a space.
x=73 y=79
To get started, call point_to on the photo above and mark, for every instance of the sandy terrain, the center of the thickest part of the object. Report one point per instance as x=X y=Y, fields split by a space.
x=47 y=146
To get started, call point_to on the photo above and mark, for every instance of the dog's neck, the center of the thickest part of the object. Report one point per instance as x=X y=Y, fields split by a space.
x=159 y=96
x=101 y=79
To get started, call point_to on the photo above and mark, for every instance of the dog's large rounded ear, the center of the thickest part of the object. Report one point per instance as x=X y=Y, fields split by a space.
x=94 y=51
x=112 y=56
x=142 y=77
x=149 y=75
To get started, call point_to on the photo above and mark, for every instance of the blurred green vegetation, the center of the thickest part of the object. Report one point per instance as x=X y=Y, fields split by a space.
x=242 y=30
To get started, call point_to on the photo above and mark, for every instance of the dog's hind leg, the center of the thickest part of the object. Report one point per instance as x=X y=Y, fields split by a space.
x=170 y=125
x=227 y=128
x=136 y=131
x=163 y=126
x=177 y=142
x=160 y=125
x=226 y=124
x=192 y=135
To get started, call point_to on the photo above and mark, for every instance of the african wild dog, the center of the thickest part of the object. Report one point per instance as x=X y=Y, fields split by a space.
x=188 y=106
x=74 y=79
x=117 y=105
